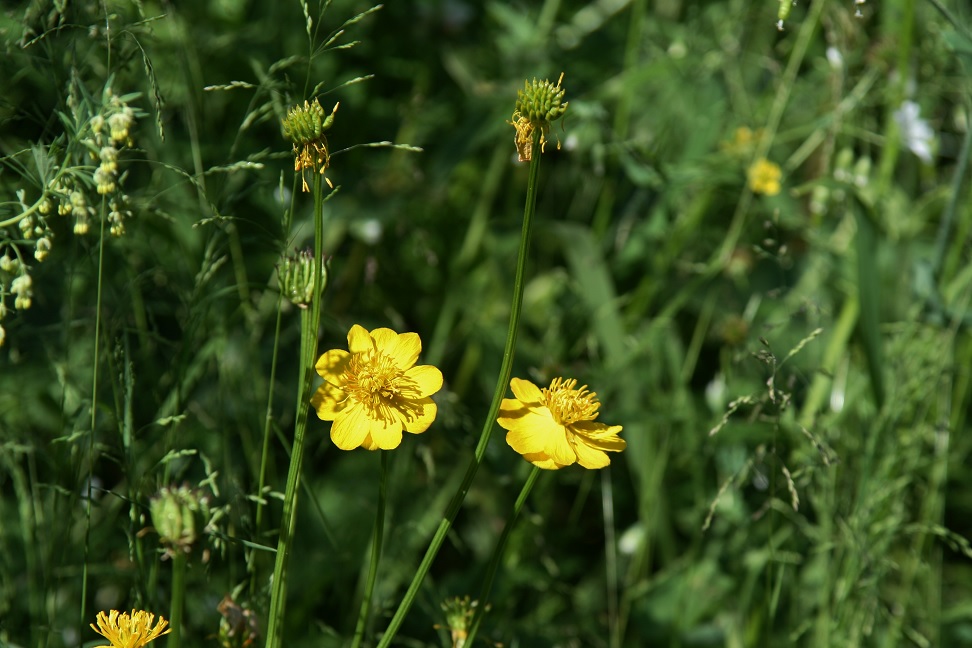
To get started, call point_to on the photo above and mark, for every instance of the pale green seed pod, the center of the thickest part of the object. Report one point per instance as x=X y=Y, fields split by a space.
x=178 y=514
x=296 y=275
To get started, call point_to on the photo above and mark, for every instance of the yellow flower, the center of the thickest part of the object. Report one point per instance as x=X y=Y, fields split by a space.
x=373 y=391
x=124 y=630
x=764 y=177
x=743 y=143
x=554 y=427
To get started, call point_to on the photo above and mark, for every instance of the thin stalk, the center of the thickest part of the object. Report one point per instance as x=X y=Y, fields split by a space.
x=94 y=413
x=309 y=322
x=375 y=553
x=506 y=368
x=497 y=556
x=178 y=598
x=267 y=423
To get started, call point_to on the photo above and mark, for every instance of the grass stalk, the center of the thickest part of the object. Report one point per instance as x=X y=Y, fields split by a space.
x=94 y=415
x=375 y=553
x=497 y=556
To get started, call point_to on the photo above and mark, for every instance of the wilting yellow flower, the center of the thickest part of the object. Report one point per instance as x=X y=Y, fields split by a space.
x=124 y=630
x=554 y=427
x=373 y=391
x=764 y=177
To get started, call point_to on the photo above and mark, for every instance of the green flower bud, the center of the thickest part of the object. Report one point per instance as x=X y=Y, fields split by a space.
x=296 y=275
x=178 y=514
x=459 y=613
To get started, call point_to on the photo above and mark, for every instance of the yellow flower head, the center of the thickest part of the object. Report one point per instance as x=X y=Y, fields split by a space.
x=554 y=427
x=764 y=177
x=743 y=143
x=373 y=391
x=305 y=126
x=537 y=106
x=124 y=630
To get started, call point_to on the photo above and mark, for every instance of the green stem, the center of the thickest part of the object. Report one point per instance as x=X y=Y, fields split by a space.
x=264 y=456
x=178 y=596
x=498 y=551
x=375 y=553
x=94 y=413
x=309 y=323
x=506 y=368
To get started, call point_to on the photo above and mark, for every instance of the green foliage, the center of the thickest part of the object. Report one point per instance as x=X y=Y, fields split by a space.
x=792 y=371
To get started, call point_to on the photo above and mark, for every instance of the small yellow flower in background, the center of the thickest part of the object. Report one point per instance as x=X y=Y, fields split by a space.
x=537 y=106
x=764 y=177
x=554 y=427
x=374 y=391
x=743 y=143
x=124 y=630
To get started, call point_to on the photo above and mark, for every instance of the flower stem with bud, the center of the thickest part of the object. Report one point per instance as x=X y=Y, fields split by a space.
x=537 y=105
x=309 y=323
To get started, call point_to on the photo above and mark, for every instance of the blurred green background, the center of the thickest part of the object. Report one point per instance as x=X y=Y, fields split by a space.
x=792 y=371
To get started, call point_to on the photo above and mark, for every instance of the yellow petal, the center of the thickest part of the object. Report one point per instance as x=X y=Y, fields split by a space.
x=528 y=431
x=558 y=447
x=526 y=391
x=588 y=456
x=600 y=436
x=331 y=366
x=359 y=341
x=427 y=380
x=329 y=402
x=418 y=415
x=386 y=430
x=350 y=429
x=541 y=460
x=369 y=443
x=403 y=348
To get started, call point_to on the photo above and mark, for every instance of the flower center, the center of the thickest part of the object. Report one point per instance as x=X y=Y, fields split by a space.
x=569 y=405
x=373 y=379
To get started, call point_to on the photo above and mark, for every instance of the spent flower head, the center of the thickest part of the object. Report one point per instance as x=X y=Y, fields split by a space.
x=124 y=630
x=537 y=106
x=373 y=391
x=554 y=427
x=305 y=127
x=459 y=614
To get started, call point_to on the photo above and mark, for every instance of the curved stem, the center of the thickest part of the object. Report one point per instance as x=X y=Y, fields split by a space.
x=375 y=553
x=498 y=551
x=502 y=382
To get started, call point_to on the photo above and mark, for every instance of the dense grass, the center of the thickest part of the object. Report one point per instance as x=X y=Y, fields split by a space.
x=792 y=371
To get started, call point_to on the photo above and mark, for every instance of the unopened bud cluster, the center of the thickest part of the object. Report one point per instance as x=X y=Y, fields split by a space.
x=179 y=515
x=538 y=105
x=305 y=127
x=296 y=275
x=459 y=615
